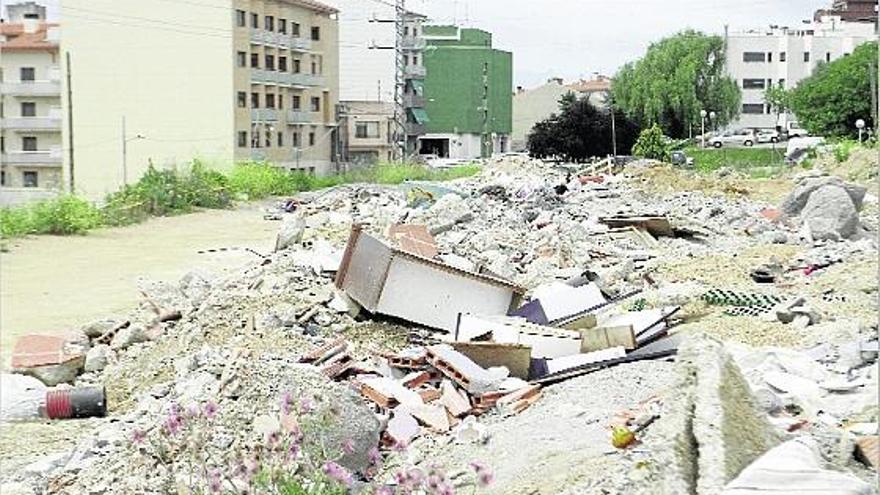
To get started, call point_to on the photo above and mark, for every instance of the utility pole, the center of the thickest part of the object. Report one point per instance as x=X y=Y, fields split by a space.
x=485 y=141
x=399 y=22
x=613 y=134
x=69 y=124
x=124 y=155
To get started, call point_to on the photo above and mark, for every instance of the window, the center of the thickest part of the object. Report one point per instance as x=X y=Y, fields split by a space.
x=282 y=64
x=268 y=139
x=406 y=30
x=270 y=101
x=312 y=138
x=242 y=59
x=280 y=102
x=28 y=109
x=806 y=56
x=280 y=139
x=255 y=60
x=255 y=21
x=316 y=103
x=242 y=99
x=314 y=67
x=415 y=31
x=828 y=56
x=269 y=23
x=782 y=56
x=27 y=74
x=255 y=100
x=270 y=62
x=242 y=139
x=753 y=108
x=366 y=130
x=29 y=179
x=297 y=66
x=316 y=33
x=240 y=18
x=754 y=56
x=415 y=60
x=294 y=29
x=769 y=56
x=29 y=143
x=297 y=102
x=2 y=177
x=296 y=139
x=282 y=26
x=781 y=83
x=753 y=84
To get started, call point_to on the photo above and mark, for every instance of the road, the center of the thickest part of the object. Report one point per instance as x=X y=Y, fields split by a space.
x=49 y=283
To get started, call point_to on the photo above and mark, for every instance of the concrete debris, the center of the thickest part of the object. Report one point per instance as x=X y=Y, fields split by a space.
x=97 y=358
x=52 y=360
x=22 y=397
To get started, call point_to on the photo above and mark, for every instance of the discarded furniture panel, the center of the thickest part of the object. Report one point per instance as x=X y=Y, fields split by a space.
x=596 y=339
x=414 y=239
x=568 y=362
x=397 y=283
x=545 y=342
x=554 y=302
x=515 y=357
x=657 y=226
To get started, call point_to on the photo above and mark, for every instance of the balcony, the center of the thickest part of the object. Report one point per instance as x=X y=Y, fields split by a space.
x=414 y=71
x=295 y=117
x=264 y=115
x=31 y=88
x=411 y=100
x=260 y=76
x=51 y=158
x=413 y=43
x=304 y=80
x=51 y=124
x=261 y=37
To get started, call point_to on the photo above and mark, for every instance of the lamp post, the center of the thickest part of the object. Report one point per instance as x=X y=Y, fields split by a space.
x=703 y=127
x=860 y=124
x=712 y=116
x=125 y=141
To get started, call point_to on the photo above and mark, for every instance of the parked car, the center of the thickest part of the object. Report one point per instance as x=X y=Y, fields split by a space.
x=768 y=136
x=680 y=159
x=793 y=130
x=744 y=137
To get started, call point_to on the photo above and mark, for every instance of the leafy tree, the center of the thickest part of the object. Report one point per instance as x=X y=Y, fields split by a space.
x=829 y=102
x=652 y=144
x=580 y=131
x=678 y=77
x=778 y=99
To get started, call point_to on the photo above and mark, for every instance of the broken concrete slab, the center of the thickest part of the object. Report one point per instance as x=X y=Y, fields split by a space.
x=432 y=416
x=387 y=392
x=50 y=359
x=595 y=339
x=456 y=402
x=393 y=282
x=561 y=364
x=794 y=468
x=515 y=357
x=402 y=427
x=461 y=370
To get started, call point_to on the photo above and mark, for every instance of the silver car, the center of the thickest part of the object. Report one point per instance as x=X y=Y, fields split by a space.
x=742 y=137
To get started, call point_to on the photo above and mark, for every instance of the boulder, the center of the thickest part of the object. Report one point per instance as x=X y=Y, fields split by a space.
x=21 y=398
x=797 y=199
x=96 y=358
x=99 y=327
x=126 y=337
x=830 y=213
x=290 y=233
x=50 y=359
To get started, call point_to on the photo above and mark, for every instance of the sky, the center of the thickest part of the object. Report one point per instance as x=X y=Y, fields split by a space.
x=574 y=38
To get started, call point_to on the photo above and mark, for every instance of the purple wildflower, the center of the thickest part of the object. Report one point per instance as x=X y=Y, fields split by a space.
x=287 y=403
x=210 y=409
x=484 y=474
x=374 y=456
x=193 y=411
x=416 y=476
x=306 y=406
x=400 y=446
x=384 y=490
x=214 y=484
x=337 y=473
x=138 y=436
x=173 y=423
x=348 y=446
x=292 y=451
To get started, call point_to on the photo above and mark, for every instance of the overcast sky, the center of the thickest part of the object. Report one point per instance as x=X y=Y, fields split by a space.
x=574 y=38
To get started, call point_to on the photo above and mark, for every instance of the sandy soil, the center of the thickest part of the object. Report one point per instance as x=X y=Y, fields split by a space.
x=49 y=284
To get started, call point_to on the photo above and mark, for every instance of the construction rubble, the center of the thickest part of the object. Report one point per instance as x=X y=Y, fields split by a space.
x=607 y=336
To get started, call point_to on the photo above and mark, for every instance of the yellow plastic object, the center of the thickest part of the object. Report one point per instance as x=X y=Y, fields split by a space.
x=622 y=437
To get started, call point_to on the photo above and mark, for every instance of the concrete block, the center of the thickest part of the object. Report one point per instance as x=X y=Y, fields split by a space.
x=461 y=370
x=457 y=403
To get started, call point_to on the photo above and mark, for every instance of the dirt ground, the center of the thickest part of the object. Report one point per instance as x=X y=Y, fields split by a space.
x=49 y=284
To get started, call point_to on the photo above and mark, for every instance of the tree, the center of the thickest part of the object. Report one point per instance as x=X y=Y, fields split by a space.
x=829 y=102
x=652 y=144
x=778 y=99
x=580 y=131
x=678 y=77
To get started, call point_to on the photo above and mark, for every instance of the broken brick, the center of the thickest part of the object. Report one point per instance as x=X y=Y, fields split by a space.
x=42 y=350
x=455 y=402
x=868 y=450
x=414 y=239
x=324 y=352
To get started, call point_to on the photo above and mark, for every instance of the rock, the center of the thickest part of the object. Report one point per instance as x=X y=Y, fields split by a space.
x=290 y=233
x=197 y=388
x=99 y=327
x=96 y=358
x=126 y=337
x=54 y=374
x=21 y=398
x=830 y=214
x=800 y=195
x=13 y=488
x=43 y=467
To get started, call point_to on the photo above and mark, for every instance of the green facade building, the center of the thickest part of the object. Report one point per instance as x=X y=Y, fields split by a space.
x=469 y=93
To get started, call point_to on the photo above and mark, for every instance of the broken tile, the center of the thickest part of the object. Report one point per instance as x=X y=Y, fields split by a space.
x=453 y=400
x=431 y=415
x=402 y=427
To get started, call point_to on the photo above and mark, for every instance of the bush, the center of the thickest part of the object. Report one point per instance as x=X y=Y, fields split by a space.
x=258 y=180
x=652 y=144
x=63 y=215
x=710 y=159
x=843 y=149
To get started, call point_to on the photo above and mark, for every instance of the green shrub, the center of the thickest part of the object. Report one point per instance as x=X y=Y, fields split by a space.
x=258 y=180
x=63 y=215
x=652 y=144
x=15 y=222
x=843 y=149
x=711 y=159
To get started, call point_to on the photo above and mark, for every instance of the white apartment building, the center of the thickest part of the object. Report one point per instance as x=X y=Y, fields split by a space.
x=30 y=105
x=783 y=56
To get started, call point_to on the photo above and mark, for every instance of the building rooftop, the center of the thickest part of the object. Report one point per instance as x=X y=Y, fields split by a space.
x=591 y=86
x=15 y=36
x=314 y=5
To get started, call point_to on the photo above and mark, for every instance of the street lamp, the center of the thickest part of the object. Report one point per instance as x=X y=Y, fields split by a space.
x=125 y=141
x=860 y=124
x=712 y=116
x=703 y=127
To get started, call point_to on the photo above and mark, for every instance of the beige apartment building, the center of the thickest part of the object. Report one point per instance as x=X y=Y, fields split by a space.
x=369 y=132
x=161 y=83
x=30 y=104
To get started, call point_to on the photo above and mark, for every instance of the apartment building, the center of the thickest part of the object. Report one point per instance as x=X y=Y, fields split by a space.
x=368 y=67
x=851 y=10
x=369 y=132
x=161 y=83
x=30 y=103
x=783 y=56
x=469 y=92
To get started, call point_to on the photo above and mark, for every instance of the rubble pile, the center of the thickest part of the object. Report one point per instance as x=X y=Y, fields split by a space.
x=425 y=314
